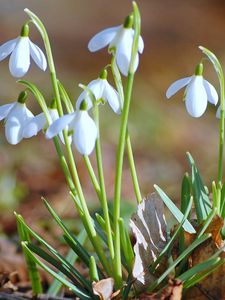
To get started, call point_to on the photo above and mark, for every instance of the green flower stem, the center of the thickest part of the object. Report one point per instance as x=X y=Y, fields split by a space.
x=119 y=87
x=88 y=221
x=219 y=71
x=86 y=215
x=221 y=134
x=118 y=178
x=121 y=148
x=133 y=169
x=103 y=198
x=92 y=176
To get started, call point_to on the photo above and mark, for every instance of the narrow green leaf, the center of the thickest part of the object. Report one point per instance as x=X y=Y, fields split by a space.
x=69 y=237
x=100 y=221
x=65 y=97
x=93 y=269
x=201 y=199
x=31 y=264
x=206 y=223
x=71 y=258
x=199 y=277
x=174 y=210
x=126 y=246
x=185 y=200
x=76 y=290
x=186 y=276
x=54 y=252
x=185 y=193
x=59 y=265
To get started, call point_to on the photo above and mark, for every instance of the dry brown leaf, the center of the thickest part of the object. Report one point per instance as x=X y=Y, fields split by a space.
x=149 y=228
x=213 y=286
x=104 y=288
x=172 y=292
x=215 y=228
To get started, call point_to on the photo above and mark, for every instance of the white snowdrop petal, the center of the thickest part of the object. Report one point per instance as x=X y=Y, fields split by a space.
x=5 y=109
x=34 y=125
x=57 y=126
x=123 y=51
x=19 y=61
x=218 y=112
x=84 y=95
x=136 y=62
x=13 y=131
x=14 y=123
x=54 y=114
x=85 y=133
x=27 y=115
x=7 y=48
x=140 y=45
x=196 y=97
x=211 y=92
x=97 y=87
x=177 y=85
x=113 y=98
x=102 y=39
x=38 y=56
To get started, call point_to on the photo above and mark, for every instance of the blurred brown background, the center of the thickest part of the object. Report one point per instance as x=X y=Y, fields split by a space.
x=161 y=130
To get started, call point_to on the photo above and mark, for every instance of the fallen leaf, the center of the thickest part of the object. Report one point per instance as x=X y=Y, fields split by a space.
x=149 y=228
x=215 y=228
x=104 y=288
x=171 y=292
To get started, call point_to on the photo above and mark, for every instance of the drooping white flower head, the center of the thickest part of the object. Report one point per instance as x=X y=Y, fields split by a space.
x=83 y=127
x=21 y=49
x=120 y=41
x=16 y=116
x=39 y=122
x=197 y=93
x=101 y=89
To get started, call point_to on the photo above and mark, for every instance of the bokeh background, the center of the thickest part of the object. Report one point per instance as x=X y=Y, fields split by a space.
x=161 y=130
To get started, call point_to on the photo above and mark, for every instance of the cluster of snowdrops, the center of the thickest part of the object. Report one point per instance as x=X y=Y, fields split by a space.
x=79 y=125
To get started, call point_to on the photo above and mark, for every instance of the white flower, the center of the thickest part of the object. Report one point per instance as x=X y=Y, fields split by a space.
x=120 y=39
x=84 y=130
x=16 y=115
x=198 y=91
x=21 y=49
x=101 y=90
x=39 y=122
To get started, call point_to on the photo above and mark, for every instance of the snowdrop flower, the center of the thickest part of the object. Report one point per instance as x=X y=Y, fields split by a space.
x=197 y=93
x=101 y=89
x=39 y=122
x=120 y=41
x=83 y=127
x=16 y=115
x=21 y=49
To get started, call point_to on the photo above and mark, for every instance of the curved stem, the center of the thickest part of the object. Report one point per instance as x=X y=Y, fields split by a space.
x=221 y=134
x=219 y=71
